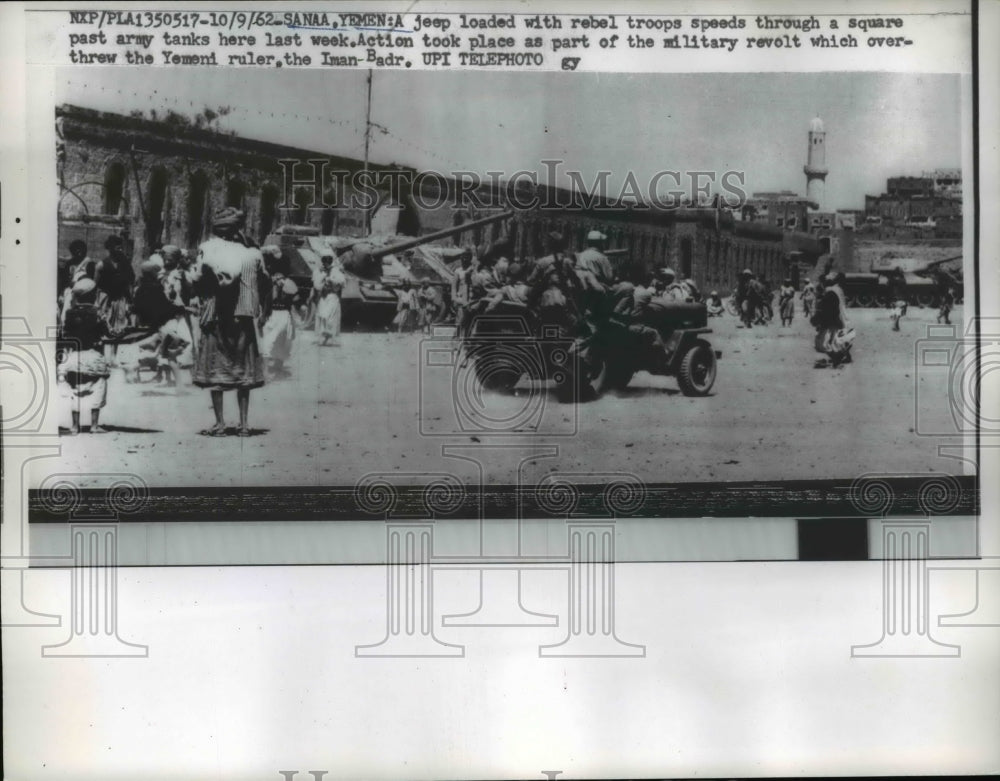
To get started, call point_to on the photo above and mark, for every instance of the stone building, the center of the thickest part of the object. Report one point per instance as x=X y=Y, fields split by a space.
x=934 y=199
x=702 y=244
x=160 y=182
x=909 y=186
x=947 y=181
x=785 y=209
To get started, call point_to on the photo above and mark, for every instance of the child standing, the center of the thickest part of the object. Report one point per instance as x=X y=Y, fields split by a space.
x=83 y=373
x=898 y=311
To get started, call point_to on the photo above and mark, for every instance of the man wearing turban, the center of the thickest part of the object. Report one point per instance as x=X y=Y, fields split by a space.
x=236 y=298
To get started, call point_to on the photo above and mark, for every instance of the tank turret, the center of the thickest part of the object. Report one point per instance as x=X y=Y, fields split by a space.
x=364 y=257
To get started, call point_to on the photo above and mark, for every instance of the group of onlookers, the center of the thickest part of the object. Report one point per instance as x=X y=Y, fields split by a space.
x=223 y=316
x=230 y=315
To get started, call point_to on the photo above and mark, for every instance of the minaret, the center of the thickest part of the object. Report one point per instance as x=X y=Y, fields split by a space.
x=815 y=167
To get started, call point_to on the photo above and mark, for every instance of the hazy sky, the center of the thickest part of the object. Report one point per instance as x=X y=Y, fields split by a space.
x=878 y=125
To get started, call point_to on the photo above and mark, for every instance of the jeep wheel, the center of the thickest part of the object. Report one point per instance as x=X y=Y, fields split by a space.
x=696 y=375
x=865 y=300
x=925 y=299
x=583 y=377
x=497 y=372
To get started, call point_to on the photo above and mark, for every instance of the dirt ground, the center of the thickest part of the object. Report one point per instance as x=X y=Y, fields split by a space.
x=383 y=403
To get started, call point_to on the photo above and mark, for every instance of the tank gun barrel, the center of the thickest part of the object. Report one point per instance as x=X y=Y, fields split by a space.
x=933 y=264
x=380 y=252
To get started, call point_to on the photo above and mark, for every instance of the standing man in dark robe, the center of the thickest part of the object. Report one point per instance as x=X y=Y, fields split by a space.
x=235 y=290
x=834 y=336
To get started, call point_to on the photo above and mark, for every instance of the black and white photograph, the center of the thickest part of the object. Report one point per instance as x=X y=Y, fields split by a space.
x=294 y=279
x=457 y=391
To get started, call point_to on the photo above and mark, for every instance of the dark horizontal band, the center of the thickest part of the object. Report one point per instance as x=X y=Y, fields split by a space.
x=922 y=495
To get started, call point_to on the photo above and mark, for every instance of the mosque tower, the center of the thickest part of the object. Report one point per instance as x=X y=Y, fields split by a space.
x=815 y=168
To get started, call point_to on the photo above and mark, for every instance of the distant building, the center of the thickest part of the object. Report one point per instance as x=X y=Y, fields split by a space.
x=887 y=208
x=947 y=181
x=784 y=209
x=849 y=219
x=821 y=223
x=909 y=186
x=931 y=203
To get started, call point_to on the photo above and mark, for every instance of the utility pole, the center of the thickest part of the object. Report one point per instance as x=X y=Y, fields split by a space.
x=142 y=206
x=368 y=136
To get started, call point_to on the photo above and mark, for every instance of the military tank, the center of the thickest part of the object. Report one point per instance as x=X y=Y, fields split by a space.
x=374 y=267
x=920 y=283
x=867 y=290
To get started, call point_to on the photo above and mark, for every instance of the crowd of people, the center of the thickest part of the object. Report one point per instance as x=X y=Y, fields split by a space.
x=231 y=315
x=823 y=302
x=227 y=316
x=576 y=288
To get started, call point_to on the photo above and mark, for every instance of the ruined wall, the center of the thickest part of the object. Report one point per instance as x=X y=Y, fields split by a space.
x=166 y=182
x=165 y=198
